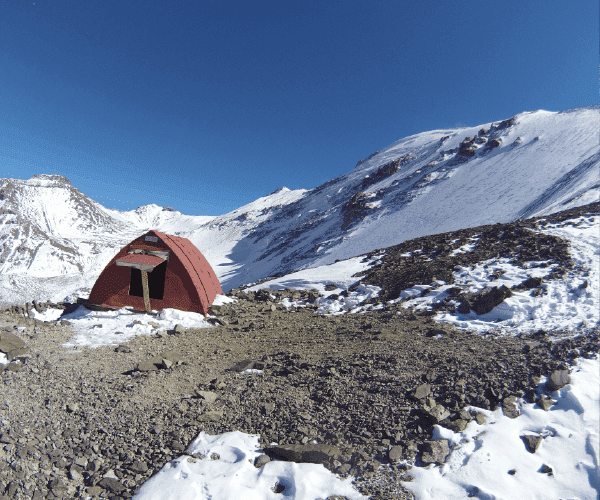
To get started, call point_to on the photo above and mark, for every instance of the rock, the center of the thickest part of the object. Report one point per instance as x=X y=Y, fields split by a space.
x=166 y=364
x=510 y=408
x=558 y=379
x=545 y=402
x=422 y=391
x=532 y=443
x=75 y=475
x=435 y=451
x=480 y=418
x=464 y=307
x=208 y=396
x=72 y=407
x=488 y=299
x=212 y=415
x=395 y=453
x=438 y=413
x=247 y=364
x=111 y=484
x=94 y=491
x=177 y=446
x=157 y=362
x=11 y=345
x=532 y=283
x=139 y=467
x=304 y=453
x=546 y=469
x=457 y=425
x=261 y=460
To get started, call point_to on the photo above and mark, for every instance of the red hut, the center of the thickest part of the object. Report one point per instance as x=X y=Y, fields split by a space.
x=157 y=271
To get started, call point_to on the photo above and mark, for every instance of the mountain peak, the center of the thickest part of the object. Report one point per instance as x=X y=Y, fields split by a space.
x=46 y=180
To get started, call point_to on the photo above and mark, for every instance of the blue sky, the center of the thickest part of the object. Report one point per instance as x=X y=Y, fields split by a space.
x=206 y=105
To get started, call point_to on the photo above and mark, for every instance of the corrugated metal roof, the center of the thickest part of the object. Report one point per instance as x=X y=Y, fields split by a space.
x=198 y=268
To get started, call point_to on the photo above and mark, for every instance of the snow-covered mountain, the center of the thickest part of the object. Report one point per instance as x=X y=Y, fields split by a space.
x=55 y=240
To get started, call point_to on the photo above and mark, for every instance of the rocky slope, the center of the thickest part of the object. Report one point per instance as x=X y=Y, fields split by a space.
x=98 y=423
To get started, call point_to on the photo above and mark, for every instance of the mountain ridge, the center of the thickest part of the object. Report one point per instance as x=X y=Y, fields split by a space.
x=530 y=164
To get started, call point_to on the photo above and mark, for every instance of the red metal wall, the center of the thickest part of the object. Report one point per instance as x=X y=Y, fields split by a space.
x=190 y=282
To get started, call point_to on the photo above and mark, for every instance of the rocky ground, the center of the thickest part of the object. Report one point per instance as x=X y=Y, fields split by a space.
x=367 y=387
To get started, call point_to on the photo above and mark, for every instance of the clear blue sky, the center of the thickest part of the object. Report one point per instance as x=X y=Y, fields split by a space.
x=207 y=105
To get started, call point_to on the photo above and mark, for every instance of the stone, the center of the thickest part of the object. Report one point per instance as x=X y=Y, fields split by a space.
x=480 y=418
x=558 y=379
x=166 y=364
x=177 y=446
x=532 y=283
x=94 y=491
x=139 y=467
x=545 y=402
x=11 y=345
x=209 y=397
x=435 y=451
x=490 y=298
x=261 y=460
x=532 y=443
x=72 y=407
x=438 y=413
x=464 y=307
x=395 y=453
x=157 y=362
x=240 y=366
x=304 y=453
x=510 y=408
x=111 y=484
x=210 y=416
x=546 y=469
x=75 y=475
x=457 y=425
x=422 y=391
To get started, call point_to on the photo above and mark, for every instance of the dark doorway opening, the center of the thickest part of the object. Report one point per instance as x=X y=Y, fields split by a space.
x=156 y=282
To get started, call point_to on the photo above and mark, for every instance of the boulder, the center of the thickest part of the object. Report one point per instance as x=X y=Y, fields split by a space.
x=208 y=396
x=111 y=484
x=435 y=451
x=422 y=391
x=532 y=443
x=157 y=362
x=545 y=402
x=395 y=453
x=488 y=299
x=11 y=345
x=558 y=379
x=510 y=408
x=304 y=453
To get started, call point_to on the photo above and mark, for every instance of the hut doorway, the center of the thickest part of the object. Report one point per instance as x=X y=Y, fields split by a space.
x=156 y=282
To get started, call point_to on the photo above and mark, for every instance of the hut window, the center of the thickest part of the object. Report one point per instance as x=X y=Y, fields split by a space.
x=156 y=282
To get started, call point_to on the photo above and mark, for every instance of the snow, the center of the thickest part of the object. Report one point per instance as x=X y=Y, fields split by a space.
x=232 y=476
x=483 y=455
x=339 y=274
x=565 y=304
x=97 y=328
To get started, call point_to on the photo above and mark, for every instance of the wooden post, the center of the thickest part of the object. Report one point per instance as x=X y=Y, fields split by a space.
x=146 y=292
